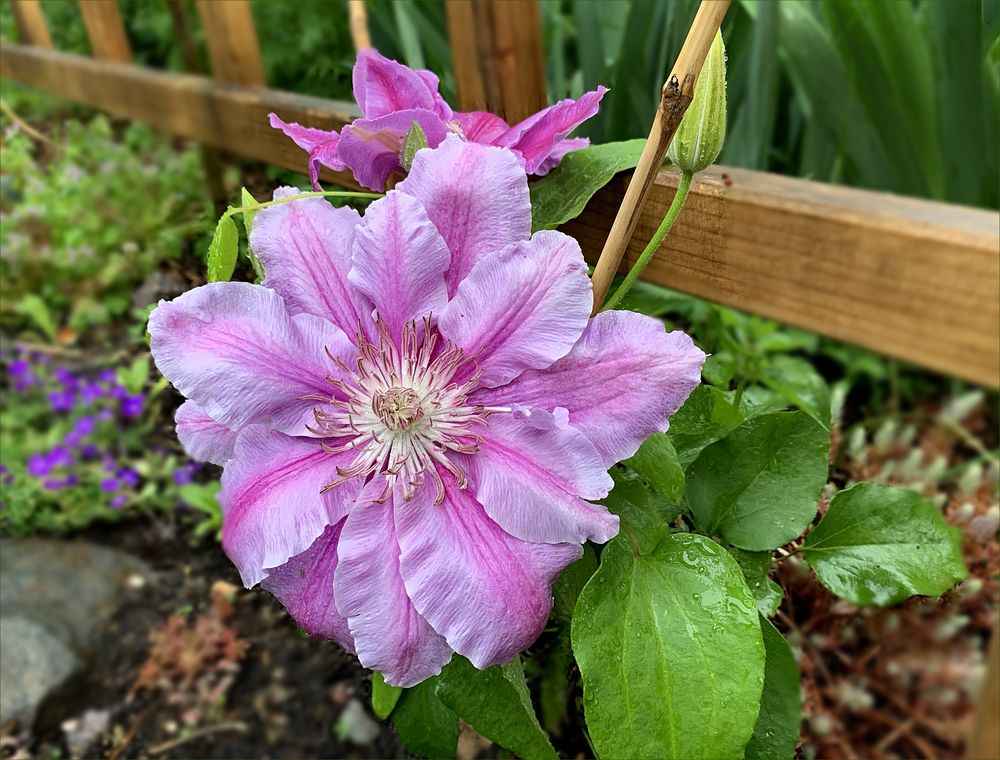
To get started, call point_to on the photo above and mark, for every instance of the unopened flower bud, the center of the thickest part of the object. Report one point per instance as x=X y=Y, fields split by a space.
x=699 y=138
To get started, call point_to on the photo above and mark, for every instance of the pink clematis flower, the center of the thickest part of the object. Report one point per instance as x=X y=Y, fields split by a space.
x=393 y=96
x=415 y=409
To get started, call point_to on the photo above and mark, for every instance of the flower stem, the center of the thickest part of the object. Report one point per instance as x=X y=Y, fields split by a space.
x=654 y=243
x=300 y=196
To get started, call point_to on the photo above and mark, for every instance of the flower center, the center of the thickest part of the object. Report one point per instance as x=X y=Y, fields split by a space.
x=402 y=408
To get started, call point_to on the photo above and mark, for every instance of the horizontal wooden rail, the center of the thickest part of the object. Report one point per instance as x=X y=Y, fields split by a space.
x=908 y=278
x=230 y=117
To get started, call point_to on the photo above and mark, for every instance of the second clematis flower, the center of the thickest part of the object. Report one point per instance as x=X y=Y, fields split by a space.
x=393 y=97
x=415 y=410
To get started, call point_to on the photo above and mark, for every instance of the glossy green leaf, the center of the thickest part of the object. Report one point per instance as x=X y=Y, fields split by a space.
x=798 y=381
x=562 y=193
x=427 y=726
x=384 y=696
x=878 y=545
x=758 y=486
x=670 y=651
x=645 y=514
x=755 y=567
x=777 y=730
x=706 y=416
x=223 y=250
x=496 y=703
x=571 y=581
x=656 y=461
x=250 y=206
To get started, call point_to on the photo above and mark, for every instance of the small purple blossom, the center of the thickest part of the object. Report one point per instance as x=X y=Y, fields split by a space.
x=53 y=484
x=427 y=507
x=110 y=484
x=117 y=502
x=60 y=456
x=108 y=376
x=128 y=476
x=66 y=378
x=39 y=466
x=183 y=476
x=89 y=451
x=19 y=367
x=132 y=405
x=85 y=425
x=62 y=401
x=393 y=97
x=105 y=415
x=90 y=393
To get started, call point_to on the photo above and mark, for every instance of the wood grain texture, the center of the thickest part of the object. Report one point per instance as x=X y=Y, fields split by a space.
x=909 y=278
x=32 y=27
x=231 y=38
x=912 y=279
x=496 y=48
x=105 y=30
x=984 y=741
x=226 y=116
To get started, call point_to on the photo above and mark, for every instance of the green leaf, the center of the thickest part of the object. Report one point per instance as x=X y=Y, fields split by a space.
x=134 y=378
x=878 y=545
x=427 y=726
x=645 y=513
x=656 y=460
x=35 y=309
x=798 y=381
x=570 y=583
x=223 y=250
x=415 y=140
x=670 y=650
x=496 y=703
x=758 y=486
x=384 y=696
x=777 y=730
x=755 y=566
x=706 y=416
x=563 y=193
x=250 y=206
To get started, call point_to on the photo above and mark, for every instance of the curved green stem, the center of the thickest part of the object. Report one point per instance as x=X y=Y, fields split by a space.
x=654 y=243
x=300 y=196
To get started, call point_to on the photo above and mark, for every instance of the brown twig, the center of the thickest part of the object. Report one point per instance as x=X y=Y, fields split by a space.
x=25 y=127
x=358 y=18
x=674 y=100
x=166 y=746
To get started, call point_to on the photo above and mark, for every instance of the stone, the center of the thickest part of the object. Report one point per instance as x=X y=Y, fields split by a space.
x=70 y=588
x=33 y=665
x=356 y=726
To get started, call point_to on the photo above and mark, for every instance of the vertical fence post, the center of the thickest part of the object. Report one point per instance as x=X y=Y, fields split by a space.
x=232 y=42
x=984 y=742
x=31 y=24
x=358 y=19
x=105 y=30
x=496 y=48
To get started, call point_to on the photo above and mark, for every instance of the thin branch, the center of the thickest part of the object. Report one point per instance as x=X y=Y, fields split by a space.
x=674 y=100
x=237 y=726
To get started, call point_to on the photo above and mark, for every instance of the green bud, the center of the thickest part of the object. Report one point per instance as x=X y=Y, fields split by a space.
x=702 y=132
x=414 y=141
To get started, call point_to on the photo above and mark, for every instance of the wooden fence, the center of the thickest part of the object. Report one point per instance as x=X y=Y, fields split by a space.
x=911 y=279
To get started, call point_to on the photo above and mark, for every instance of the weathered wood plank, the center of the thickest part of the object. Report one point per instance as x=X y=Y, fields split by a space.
x=912 y=279
x=226 y=116
x=497 y=51
x=105 y=30
x=31 y=24
x=231 y=38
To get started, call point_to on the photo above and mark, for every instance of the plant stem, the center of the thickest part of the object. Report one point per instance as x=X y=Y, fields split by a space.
x=300 y=196
x=654 y=243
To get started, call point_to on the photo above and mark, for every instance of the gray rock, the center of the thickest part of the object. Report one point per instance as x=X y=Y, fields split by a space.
x=356 y=725
x=70 y=588
x=33 y=665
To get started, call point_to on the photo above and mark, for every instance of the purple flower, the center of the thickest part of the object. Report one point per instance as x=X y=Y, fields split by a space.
x=108 y=376
x=117 y=502
x=110 y=484
x=66 y=378
x=60 y=456
x=39 y=465
x=89 y=451
x=128 y=476
x=90 y=393
x=411 y=485
x=132 y=405
x=19 y=367
x=53 y=484
x=392 y=97
x=105 y=414
x=183 y=475
x=62 y=401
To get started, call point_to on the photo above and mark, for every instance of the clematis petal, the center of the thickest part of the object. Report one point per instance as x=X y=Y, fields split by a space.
x=487 y=592
x=370 y=147
x=204 y=439
x=481 y=126
x=304 y=585
x=399 y=261
x=389 y=634
x=273 y=504
x=305 y=247
x=234 y=349
x=620 y=383
x=538 y=498
x=383 y=86
x=522 y=308
x=559 y=152
x=537 y=136
x=475 y=195
x=320 y=144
